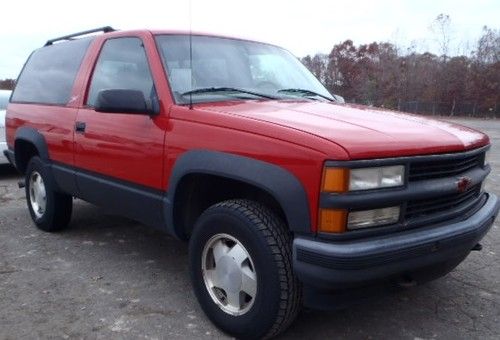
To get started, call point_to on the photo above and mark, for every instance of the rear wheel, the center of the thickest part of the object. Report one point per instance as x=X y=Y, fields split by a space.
x=241 y=269
x=50 y=210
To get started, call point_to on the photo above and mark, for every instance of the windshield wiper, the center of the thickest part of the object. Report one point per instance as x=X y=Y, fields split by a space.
x=226 y=89
x=305 y=92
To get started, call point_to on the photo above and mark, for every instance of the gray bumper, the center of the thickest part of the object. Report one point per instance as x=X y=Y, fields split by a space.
x=327 y=265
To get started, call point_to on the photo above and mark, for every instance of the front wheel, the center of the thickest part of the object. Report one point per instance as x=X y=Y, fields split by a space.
x=241 y=269
x=50 y=210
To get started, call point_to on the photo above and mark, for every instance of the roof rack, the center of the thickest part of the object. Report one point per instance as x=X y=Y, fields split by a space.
x=105 y=29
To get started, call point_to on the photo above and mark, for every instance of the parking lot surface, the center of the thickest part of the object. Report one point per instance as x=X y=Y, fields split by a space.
x=107 y=277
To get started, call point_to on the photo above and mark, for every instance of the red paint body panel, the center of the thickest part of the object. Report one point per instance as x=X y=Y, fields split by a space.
x=54 y=122
x=298 y=135
x=124 y=146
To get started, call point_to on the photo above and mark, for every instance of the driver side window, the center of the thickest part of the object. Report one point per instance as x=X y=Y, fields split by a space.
x=122 y=64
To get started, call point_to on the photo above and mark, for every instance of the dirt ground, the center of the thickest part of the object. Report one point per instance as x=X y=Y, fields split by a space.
x=107 y=277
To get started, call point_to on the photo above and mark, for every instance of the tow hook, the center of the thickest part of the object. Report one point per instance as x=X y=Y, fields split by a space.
x=477 y=247
x=21 y=184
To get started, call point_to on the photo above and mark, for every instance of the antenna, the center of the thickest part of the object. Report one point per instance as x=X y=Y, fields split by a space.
x=191 y=52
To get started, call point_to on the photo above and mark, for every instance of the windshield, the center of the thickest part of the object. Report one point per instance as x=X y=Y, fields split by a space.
x=253 y=70
x=4 y=99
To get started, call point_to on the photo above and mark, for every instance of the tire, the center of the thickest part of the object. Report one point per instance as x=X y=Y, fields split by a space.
x=50 y=210
x=226 y=231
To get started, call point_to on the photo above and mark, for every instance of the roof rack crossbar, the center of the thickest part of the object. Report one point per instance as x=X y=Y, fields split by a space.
x=104 y=29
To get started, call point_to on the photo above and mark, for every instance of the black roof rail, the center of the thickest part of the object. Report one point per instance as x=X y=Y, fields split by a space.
x=104 y=29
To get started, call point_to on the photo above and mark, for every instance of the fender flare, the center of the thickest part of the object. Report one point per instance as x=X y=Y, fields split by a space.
x=33 y=137
x=277 y=181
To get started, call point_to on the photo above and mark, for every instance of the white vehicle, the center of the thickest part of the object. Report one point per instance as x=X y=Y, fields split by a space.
x=4 y=100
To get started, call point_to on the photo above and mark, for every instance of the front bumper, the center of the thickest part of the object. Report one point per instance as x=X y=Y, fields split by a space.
x=433 y=249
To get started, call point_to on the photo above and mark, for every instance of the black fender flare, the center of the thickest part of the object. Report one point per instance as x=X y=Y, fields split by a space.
x=275 y=180
x=32 y=136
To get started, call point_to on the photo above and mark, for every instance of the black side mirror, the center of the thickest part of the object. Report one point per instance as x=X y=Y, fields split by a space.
x=123 y=101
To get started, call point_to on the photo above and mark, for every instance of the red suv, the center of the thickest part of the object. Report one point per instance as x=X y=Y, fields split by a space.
x=285 y=194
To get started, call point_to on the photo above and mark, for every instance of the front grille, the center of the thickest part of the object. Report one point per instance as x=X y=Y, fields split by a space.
x=423 y=208
x=420 y=200
x=429 y=169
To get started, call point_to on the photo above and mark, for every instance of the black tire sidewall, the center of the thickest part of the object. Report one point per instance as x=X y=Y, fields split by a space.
x=43 y=222
x=262 y=315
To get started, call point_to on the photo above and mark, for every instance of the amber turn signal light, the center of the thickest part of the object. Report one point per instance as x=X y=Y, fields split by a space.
x=332 y=220
x=335 y=180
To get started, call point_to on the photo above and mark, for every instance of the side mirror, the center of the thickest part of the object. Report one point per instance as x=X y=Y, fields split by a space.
x=123 y=101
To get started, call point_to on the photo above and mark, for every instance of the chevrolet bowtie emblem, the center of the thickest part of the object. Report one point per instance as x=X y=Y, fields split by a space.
x=463 y=183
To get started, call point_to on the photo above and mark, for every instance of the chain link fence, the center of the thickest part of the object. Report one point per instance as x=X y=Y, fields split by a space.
x=462 y=109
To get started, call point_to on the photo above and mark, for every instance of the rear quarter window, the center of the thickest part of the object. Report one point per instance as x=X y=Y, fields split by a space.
x=49 y=73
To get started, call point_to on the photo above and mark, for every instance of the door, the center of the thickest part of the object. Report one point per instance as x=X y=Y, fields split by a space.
x=119 y=156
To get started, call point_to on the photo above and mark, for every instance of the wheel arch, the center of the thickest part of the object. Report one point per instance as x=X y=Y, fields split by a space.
x=276 y=185
x=28 y=142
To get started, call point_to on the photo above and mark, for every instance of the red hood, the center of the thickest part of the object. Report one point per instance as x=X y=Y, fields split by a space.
x=364 y=132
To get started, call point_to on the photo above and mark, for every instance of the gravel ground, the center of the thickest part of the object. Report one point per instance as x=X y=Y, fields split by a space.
x=107 y=277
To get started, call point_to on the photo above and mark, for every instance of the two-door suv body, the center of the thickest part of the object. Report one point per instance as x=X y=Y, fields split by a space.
x=285 y=193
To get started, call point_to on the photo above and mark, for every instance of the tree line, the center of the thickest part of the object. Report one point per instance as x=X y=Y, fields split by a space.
x=7 y=84
x=379 y=74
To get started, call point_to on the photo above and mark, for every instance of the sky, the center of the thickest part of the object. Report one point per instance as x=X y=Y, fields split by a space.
x=302 y=26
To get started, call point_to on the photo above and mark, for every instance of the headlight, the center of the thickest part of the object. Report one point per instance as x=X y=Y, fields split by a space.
x=343 y=179
x=374 y=178
x=371 y=218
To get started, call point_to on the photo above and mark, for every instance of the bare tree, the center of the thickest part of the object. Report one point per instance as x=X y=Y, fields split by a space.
x=441 y=27
x=488 y=46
